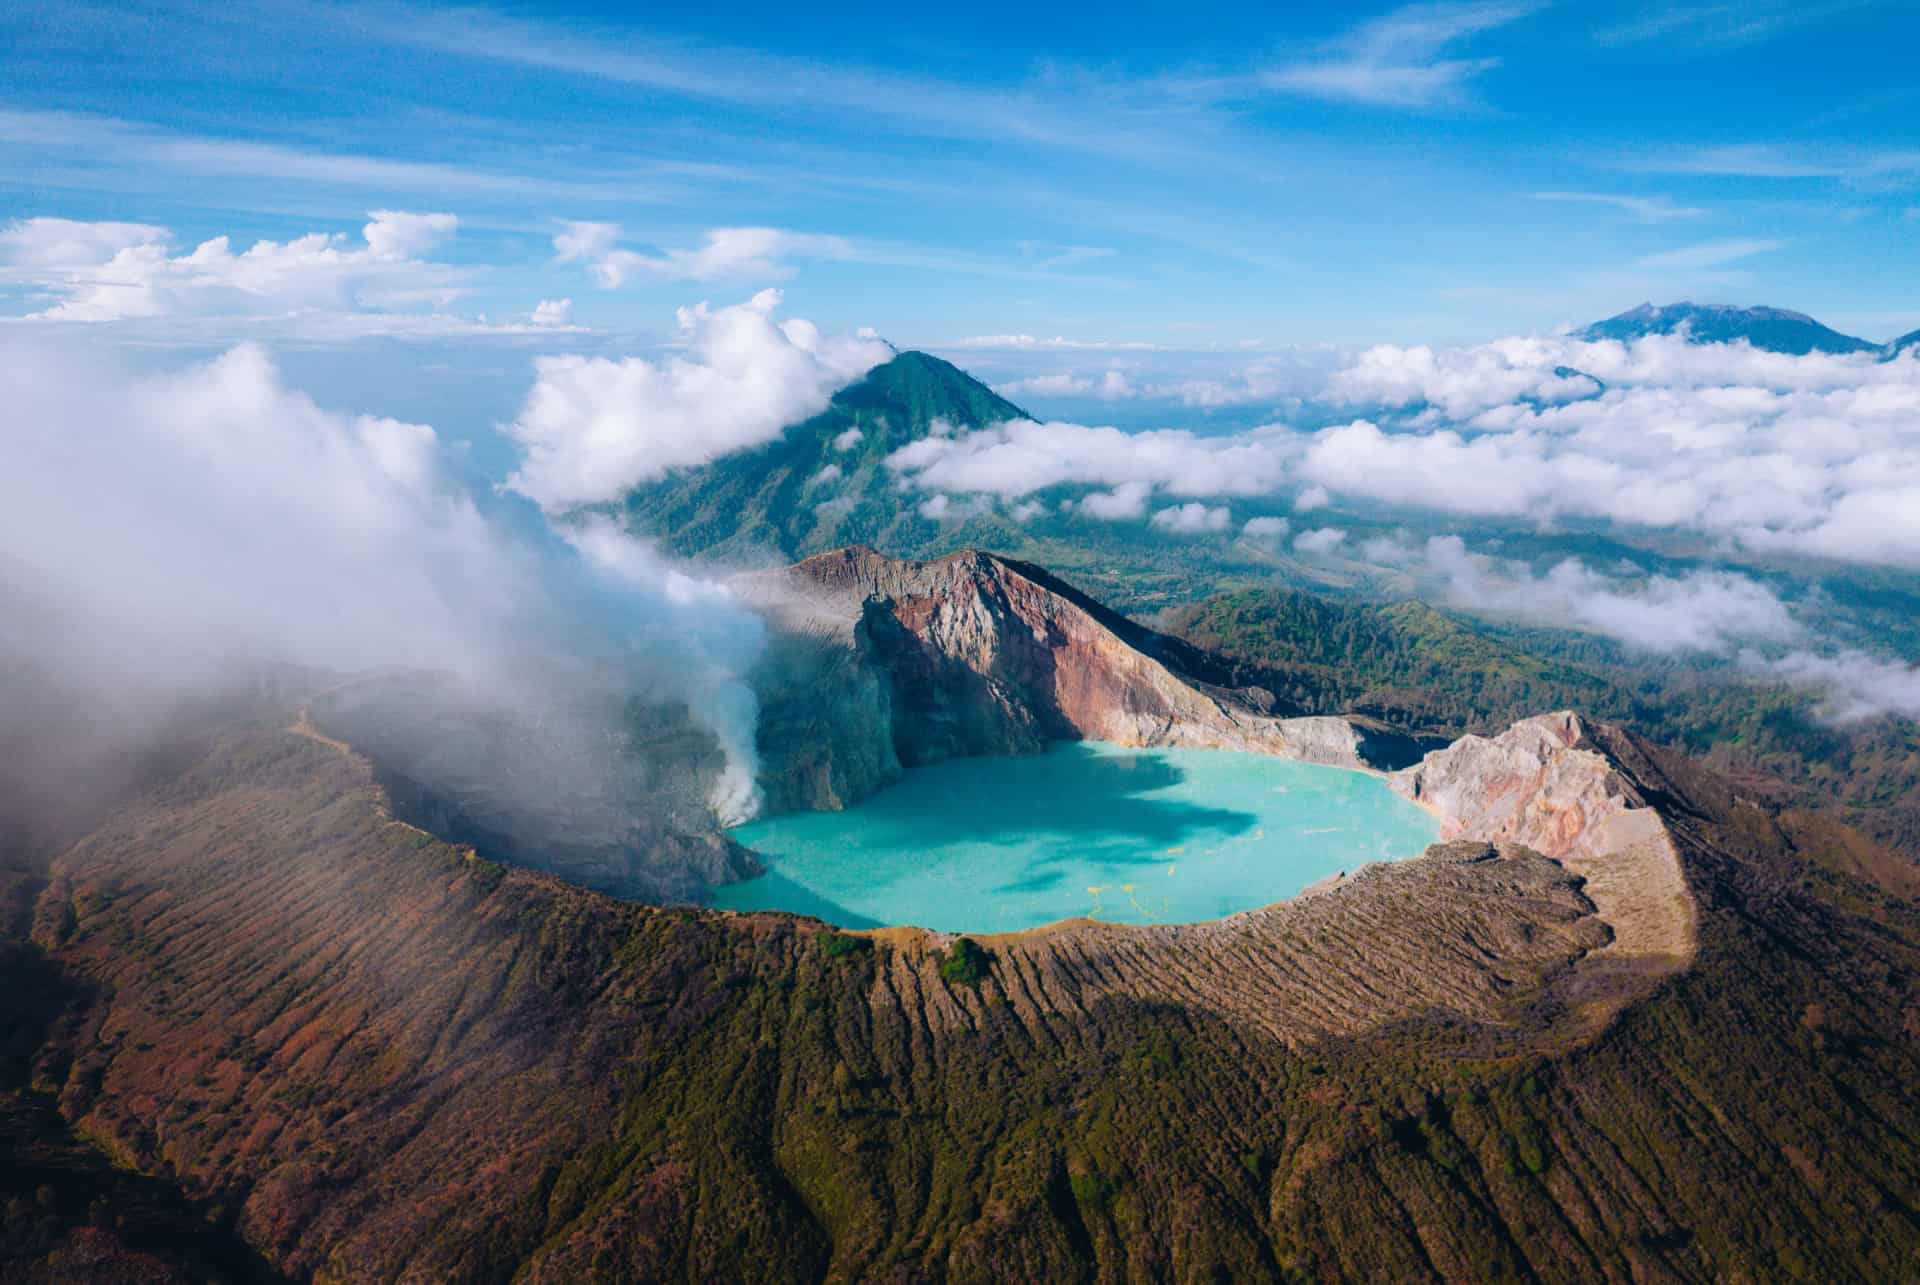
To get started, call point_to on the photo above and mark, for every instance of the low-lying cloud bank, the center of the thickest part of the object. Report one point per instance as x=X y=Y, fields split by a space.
x=1017 y=458
x=1853 y=684
x=1705 y=612
x=1765 y=453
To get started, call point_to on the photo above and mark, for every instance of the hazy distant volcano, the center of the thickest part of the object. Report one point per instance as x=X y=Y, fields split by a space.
x=1771 y=329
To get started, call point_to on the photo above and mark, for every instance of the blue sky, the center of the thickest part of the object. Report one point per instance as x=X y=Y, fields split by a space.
x=1180 y=175
x=1296 y=278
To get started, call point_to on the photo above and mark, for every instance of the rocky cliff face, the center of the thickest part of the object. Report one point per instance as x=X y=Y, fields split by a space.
x=978 y=654
x=826 y=734
x=1549 y=782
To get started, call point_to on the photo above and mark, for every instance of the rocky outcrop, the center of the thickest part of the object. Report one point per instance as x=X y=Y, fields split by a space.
x=984 y=655
x=1547 y=783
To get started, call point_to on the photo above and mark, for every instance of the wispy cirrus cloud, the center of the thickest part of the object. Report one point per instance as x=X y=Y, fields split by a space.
x=1044 y=255
x=1400 y=60
x=115 y=154
x=1027 y=342
x=1777 y=161
x=724 y=254
x=1708 y=254
x=1081 y=112
x=1723 y=24
x=1645 y=209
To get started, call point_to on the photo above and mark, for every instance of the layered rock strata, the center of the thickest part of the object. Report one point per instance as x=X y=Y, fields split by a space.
x=1551 y=783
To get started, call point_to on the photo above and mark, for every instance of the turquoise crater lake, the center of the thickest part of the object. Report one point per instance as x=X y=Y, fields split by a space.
x=1135 y=836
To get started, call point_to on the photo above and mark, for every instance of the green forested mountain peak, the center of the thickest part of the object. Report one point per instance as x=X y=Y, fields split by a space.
x=824 y=482
x=926 y=387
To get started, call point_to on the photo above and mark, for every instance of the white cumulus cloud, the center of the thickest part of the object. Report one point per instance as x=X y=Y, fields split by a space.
x=595 y=427
x=1124 y=503
x=399 y=234
x=122 y=272
x=1192 y=518
x=1268 y=531
x=1321 y=541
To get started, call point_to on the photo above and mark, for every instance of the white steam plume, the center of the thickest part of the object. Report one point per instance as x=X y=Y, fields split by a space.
x=192 y=522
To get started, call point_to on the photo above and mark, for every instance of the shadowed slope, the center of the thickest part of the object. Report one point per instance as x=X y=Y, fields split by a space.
x=1770 y=329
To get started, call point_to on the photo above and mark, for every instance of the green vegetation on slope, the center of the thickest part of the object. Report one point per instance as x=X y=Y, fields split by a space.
x=824 y=483
x=1432 y=672
x=1404 y=662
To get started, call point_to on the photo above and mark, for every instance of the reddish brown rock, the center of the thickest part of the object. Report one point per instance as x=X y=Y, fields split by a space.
x=984 y=655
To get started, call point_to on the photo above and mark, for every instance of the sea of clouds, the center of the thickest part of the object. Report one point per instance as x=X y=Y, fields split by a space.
x=240 y=503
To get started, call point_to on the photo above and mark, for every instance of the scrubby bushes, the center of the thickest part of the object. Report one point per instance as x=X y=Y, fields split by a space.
x=965 y=963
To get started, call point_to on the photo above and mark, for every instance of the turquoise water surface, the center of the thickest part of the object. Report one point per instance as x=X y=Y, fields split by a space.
x=1137 y=836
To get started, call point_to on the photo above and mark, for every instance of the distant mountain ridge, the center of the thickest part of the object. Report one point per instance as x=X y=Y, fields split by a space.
x=1770 y=329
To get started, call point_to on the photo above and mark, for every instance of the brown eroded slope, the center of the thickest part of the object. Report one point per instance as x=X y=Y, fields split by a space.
x=394 y=1060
